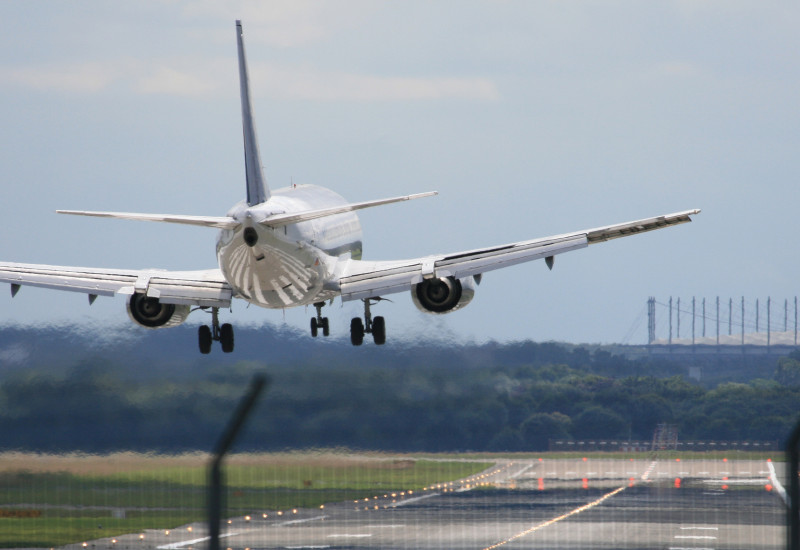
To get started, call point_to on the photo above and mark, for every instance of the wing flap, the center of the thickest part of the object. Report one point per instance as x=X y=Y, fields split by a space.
x=480 y=262
x=206 y=288
x=371 y=279
x=189 y=292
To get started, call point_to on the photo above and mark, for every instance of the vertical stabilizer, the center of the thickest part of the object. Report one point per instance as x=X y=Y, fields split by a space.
x=257 y=190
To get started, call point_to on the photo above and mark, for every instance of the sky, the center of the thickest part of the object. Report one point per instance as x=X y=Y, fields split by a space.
x=530 y=119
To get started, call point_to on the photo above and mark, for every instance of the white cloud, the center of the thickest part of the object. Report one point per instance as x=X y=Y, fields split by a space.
x=169 y=81
x=310 y=84
x=676 y=69
x=80 y=78
x=203 y=77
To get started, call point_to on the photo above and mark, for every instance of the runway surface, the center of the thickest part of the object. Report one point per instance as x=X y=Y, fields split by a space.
x=575 y=503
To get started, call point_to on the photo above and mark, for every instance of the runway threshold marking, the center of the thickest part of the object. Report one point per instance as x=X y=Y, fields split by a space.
x=559 y=518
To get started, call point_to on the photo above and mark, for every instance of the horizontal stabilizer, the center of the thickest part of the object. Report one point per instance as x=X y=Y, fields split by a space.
x=220 y=222
x=279 y=220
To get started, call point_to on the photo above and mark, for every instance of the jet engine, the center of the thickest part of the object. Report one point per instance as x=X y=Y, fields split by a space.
x=151 y=313
x=443 y=294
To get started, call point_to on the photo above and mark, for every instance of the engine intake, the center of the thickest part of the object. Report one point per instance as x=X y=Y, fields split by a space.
x=151 y=313
x=443 y=294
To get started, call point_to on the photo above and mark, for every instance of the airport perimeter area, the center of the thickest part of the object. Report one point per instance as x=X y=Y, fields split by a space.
x=337 y=500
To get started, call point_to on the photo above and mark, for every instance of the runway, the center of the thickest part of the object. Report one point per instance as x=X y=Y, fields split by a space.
x=558 y=503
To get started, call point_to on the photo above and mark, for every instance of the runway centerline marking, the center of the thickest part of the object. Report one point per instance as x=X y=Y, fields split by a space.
x=295 y=521
x=410 y=500
x=556 y=520
x=176 y=545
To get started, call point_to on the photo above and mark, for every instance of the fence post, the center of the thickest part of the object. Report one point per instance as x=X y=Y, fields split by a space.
x=793 y=521
x=225 y=442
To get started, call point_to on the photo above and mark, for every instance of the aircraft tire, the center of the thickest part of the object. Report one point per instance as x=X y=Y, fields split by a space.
x=326 y=331
x=226 y=337
x=314 y=327
x=204 y=339
x=379 y=331
x=356 y=331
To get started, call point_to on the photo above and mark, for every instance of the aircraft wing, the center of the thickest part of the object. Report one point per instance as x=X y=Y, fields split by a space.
x=207 y=288
x=361 y=279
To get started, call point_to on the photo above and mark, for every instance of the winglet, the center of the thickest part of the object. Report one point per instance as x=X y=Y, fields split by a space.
x=257 y=189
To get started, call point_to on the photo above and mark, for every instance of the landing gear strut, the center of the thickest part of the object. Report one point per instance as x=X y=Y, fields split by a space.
x=216 y=333
x=376 y=327
x=319 y=322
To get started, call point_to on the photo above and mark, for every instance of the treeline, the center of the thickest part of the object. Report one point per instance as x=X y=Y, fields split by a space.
x=98 y=405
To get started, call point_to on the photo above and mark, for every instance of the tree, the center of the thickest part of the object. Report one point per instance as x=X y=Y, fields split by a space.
x=596 y=422
x=539 y=428
x=788 y=371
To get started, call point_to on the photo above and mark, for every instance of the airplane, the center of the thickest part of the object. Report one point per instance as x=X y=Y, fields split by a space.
x=299 y=246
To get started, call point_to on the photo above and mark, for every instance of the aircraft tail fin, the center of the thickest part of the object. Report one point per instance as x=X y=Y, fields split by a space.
x=257 y=189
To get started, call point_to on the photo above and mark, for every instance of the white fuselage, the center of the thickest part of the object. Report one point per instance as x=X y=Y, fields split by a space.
x=288 y=265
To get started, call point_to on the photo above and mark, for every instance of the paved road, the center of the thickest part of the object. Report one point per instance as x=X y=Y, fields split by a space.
x=638 y=504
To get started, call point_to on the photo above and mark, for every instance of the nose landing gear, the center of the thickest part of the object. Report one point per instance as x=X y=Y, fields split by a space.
x=216 y=333
x=376 y=327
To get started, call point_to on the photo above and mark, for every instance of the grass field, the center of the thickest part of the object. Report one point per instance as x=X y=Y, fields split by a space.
x=70 y=498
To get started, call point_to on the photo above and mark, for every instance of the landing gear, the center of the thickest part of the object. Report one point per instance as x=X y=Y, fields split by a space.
x=319 y=322
x=376 y=327
x=356 y=331
x=216 y=333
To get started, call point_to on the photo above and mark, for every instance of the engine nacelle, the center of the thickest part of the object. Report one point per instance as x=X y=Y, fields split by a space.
x=151 y=313
x=443 y=294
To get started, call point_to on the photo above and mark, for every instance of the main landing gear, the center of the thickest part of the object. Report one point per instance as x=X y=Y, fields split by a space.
x=319 y=322
x=216 y=333
x=376 y=327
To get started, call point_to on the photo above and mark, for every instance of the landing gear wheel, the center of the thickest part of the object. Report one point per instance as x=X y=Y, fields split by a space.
x=379 y=331
x=226 y=337
x=356 y=331
x=325 y=330
x=319 y=322
x=204 y=339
